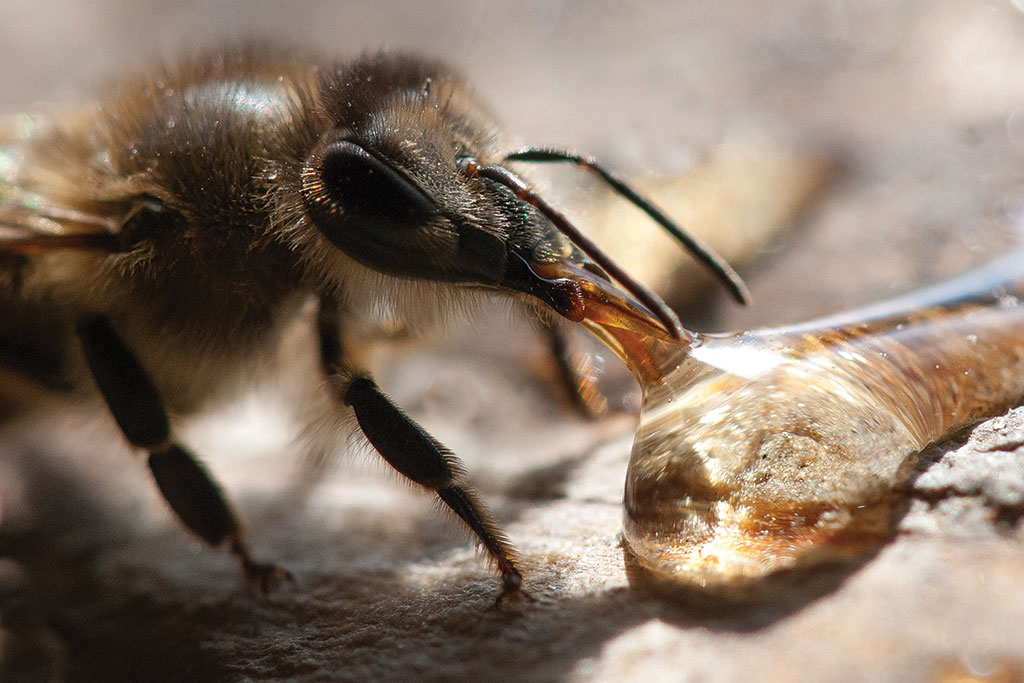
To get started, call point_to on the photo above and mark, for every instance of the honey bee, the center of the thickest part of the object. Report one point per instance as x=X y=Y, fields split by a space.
x=152 y=245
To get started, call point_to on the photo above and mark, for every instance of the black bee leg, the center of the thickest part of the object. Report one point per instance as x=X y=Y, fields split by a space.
x=574 y=373
x=183 y=481
x=419 y=456
x=411 y=450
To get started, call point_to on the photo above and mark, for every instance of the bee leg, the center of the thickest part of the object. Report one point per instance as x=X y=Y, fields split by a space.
x=411 y=450
x=414 y=453
x=574 y=373
x=185 y=484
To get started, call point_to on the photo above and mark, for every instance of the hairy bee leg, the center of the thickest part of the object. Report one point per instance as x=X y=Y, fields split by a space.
x=410 y=449
x=414 y=453
x=185 y=484
x=576 y=380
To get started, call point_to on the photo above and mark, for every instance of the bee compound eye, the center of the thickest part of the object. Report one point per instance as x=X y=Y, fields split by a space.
x=356 y=183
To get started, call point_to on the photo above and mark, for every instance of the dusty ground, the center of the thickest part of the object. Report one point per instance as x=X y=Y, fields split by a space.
x=922 y=102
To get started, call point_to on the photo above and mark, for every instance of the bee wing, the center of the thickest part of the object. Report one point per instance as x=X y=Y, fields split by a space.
x=31 y=224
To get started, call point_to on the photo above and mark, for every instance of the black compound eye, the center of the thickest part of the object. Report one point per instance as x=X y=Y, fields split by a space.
x=359 y=184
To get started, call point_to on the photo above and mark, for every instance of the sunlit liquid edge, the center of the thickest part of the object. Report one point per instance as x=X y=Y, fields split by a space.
x=858 y=402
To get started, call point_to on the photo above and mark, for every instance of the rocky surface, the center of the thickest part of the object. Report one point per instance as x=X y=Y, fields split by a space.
x=922 y=104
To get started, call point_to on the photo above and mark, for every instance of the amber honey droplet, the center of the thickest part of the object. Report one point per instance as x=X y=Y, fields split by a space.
x=780 y=449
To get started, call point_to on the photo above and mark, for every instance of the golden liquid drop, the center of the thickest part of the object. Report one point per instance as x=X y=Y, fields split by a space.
x=780 y=449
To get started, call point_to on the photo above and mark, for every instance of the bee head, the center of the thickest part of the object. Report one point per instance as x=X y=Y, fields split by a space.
x=408 y=182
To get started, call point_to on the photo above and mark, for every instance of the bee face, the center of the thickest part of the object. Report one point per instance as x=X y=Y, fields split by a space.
x=407 y=181
x=384 y=184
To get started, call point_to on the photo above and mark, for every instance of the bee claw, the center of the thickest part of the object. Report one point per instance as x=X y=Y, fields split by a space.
x=511 y=589
x=268 y=577
x=512 y=597
x=265 y=575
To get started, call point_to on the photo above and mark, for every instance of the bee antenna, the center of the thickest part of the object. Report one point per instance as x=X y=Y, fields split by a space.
x=702 y=252
x=524 y=193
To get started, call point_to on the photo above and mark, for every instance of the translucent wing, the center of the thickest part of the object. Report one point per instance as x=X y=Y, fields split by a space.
x=31 y=225
x=32 y=221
